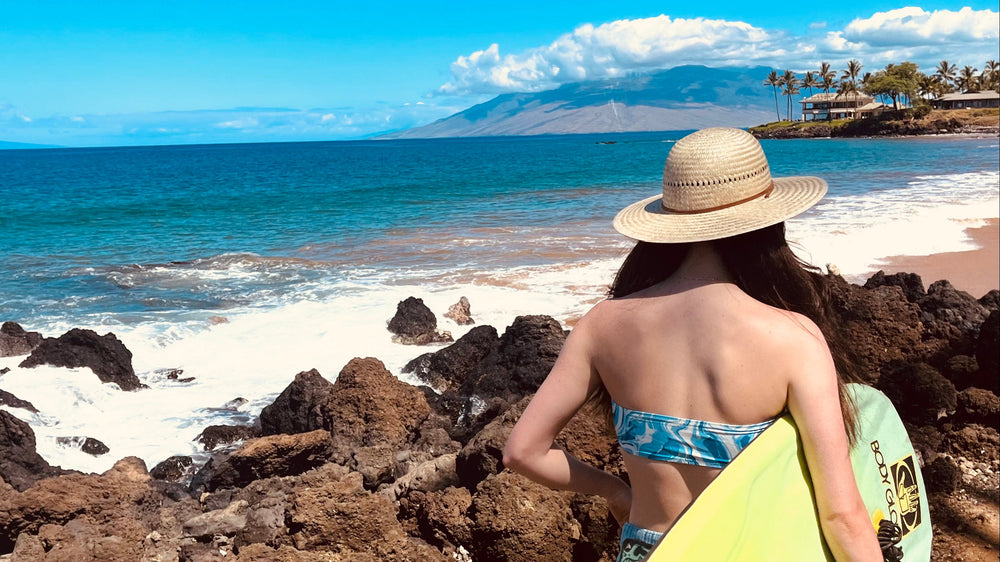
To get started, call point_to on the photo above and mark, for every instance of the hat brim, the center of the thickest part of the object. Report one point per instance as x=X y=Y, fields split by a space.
x=648 y=221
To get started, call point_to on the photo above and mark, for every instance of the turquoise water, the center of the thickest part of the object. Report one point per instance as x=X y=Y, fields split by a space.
x=244 y=264
x=77 y=220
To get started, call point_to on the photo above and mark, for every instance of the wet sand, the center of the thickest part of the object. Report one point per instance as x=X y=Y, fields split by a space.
x=973 y=271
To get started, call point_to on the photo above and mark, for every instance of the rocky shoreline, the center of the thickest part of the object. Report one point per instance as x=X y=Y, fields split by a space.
x=371 y=468
x=978 y=123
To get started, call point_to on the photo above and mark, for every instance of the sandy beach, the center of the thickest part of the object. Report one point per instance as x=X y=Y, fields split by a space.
x=973 y=271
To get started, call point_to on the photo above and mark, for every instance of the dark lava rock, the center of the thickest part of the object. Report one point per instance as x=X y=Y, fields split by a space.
x=912 y=285
x=173 y=469
x=216 y=435
x=415 y=324
x=105 y=355
x=8 y=399
x=991 y=300
x=526 y=353
x=88 y=445
x=14 y=340
x=962 y=370
x=298 y=408
x=94 y=447
x=920 y=393
x=942 y=476
x=976 y=405
x=412 y=318
x=452 y=366
x=988 y=353
x=877 y=325
x=20 y=465
x=952 y=315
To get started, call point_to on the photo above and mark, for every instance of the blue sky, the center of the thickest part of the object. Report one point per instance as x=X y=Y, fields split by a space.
x=81 y=73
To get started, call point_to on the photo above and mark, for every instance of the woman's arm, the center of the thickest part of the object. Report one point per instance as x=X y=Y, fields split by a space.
x=813 y=400
x=531 y=448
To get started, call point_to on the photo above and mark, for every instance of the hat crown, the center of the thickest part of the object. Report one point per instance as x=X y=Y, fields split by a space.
x=714 y=168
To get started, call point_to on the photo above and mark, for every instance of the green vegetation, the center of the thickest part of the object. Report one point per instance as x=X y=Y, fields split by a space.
x=902 y=84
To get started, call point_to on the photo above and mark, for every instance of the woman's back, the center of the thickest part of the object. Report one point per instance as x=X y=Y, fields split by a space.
x=694 y=349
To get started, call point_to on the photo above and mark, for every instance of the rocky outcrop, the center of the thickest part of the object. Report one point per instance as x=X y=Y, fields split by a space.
x=450 y=367
x=274 y=455
x=299 y=408
x=108 y=357
x=952 y=315
x=415 y=324
x=14 y=340
x=20 y=465
x=508 y=367
x=878 y=325
x=370 y=468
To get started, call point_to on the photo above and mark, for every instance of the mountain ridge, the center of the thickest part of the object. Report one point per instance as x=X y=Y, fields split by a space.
x=680 y=98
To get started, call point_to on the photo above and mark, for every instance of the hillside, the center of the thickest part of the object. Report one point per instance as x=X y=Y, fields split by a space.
x=685 y=97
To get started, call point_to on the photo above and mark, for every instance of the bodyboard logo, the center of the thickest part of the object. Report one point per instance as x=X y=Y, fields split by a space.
x=904 y=476
x=902 y=492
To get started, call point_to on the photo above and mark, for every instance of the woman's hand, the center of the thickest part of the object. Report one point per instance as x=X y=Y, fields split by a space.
x=620 y=503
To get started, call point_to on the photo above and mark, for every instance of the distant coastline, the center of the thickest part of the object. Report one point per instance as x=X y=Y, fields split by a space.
x=983 y=122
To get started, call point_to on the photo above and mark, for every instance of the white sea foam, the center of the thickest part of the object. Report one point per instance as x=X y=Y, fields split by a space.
x=254 y=355
x=857 y=232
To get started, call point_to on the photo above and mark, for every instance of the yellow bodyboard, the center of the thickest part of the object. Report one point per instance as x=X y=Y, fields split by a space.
x=762 y=508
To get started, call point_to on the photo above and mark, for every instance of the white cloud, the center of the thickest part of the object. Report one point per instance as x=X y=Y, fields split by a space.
x=914 y=26
x=609 y=50
x=625 y=46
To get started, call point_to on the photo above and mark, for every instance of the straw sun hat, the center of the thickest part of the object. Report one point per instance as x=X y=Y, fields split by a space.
x=716 y=183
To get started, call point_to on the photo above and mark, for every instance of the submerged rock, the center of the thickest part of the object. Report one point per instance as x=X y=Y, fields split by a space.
x=8 y=399
x=216 y=435
x=173 y=469
x=106 y=355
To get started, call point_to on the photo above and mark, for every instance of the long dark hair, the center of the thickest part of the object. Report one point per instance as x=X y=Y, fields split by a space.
x=762 y=265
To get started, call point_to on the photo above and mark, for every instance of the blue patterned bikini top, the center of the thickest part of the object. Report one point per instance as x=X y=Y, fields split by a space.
x=666 y=438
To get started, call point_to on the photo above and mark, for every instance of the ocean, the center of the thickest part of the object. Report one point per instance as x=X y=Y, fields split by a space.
x=245 y=264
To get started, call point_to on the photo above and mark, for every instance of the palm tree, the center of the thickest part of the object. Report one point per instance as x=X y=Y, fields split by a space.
x=826 y=75
x=828 y=83
x=852 y=72
x=791 y=89
x=790 y=82
x=990 y=78
x=774 y=81
x=946 y=72
x=967 y=80
x=928 y=87
x=810 y=81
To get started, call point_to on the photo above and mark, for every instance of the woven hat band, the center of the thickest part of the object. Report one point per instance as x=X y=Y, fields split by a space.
x=767 y=192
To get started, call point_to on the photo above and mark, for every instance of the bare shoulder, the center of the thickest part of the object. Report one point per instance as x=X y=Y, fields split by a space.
x=802 y=337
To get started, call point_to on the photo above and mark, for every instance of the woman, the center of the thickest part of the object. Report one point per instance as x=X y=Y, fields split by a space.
x=711 y=333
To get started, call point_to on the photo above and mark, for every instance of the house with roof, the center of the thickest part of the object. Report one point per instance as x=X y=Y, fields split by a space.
x=967 y=100
x=829 y=105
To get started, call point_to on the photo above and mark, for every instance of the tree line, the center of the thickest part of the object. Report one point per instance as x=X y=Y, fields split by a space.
x=899 y=83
